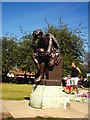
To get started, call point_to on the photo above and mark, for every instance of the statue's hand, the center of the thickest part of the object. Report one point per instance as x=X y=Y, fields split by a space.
x=47 y=54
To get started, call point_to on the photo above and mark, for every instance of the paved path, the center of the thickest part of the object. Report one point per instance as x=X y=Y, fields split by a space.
x=4 y=113
x=21 y=109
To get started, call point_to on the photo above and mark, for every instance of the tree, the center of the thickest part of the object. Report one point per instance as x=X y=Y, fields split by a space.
x=16 y=52
x=87 y=61
x=71 y=45
x=9 y=53
x=24 y=61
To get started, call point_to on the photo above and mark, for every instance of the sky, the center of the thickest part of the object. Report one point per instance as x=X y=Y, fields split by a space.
x=30 y=15
x=45 y=0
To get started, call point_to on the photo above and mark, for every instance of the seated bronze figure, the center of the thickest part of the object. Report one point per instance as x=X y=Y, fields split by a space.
x=46 y=54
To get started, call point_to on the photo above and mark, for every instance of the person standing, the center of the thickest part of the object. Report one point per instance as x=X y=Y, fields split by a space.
x=68 y=84
x=74 y=77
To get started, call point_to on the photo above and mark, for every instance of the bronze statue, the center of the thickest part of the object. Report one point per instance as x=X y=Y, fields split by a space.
x=46 y=54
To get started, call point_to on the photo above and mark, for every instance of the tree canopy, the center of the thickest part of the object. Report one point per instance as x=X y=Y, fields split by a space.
x=9 y=53
x=16 y=52
x=71 y=45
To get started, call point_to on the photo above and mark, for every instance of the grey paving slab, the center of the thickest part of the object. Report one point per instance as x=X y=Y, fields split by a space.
x=0 y=109
x=68 y=113
x=21 y=109
x=80 y=107
x=4 y=113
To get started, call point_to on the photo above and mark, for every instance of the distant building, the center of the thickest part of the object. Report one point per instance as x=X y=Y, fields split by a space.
x=18 y=73
x=11 y=75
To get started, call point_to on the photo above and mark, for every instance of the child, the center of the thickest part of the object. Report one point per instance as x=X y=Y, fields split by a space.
x=68 y=84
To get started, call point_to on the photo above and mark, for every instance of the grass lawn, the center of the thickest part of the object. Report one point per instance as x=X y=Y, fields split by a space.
x=16 y=91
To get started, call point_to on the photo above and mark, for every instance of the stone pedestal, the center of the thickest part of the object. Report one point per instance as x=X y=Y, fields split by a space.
x=56 y=73
x=54 y=76
x=49 y=97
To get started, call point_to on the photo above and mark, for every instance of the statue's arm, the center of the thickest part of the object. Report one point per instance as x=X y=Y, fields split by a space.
x=34 y=46
x=54 y=39
x=50 y=45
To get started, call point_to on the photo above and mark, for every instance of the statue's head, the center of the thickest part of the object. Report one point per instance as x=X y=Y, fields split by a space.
x=37 y=34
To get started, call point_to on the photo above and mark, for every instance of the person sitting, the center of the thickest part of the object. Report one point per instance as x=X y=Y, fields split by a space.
x=46 y=53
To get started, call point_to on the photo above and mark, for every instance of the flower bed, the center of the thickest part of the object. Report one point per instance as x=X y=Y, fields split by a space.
x=85 y=97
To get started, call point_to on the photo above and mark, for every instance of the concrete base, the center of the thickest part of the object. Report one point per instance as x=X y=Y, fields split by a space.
x=49 y=97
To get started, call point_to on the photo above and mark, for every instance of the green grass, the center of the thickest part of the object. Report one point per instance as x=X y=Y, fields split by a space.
x=16 y=91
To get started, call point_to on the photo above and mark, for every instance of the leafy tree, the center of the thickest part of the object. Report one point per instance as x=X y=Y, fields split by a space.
x=9 y=53
x=16 y=52
x=71 y=45
x=24 y=61
x=87 y=61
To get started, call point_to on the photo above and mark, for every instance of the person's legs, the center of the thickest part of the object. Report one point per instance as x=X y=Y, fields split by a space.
x=73 y=85
x=76 y=84
x=73 y=88
x=46 y=70
x=77 y=89
x=42 y=67
x=69 y=89
x=35 y=60
x=47 y=73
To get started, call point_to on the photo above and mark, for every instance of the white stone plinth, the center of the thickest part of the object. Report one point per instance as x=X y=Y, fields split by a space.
x=49 y=97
